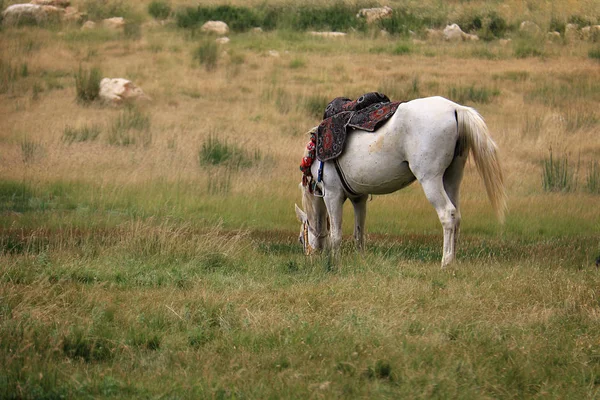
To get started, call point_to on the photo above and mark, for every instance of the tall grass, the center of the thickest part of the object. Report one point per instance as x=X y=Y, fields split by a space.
x=87 y=84
x=558 y=175
x=207 y=54
x=131 y=127
x=215 y=151
x=593 y=177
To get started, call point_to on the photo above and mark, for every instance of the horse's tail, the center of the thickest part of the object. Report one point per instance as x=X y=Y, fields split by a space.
x=473 y=133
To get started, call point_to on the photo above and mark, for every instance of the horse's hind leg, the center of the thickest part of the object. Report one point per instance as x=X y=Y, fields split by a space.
x=447 y=213
x=360 y=215
x=452 y=179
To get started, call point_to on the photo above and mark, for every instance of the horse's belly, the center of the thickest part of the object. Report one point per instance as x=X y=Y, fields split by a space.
x=376 y=173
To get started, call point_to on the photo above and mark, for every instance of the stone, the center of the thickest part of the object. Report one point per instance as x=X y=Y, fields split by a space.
x=530 y=28
x=217 y=27
x=114 y=23
x=222 y=40
x=119 y=90
x=18 y=14
x=327 y=34
x=88 y=25
x=54 y=3
x=375 y=14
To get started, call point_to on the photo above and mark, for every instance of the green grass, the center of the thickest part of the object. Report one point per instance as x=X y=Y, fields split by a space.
x=207 y=54
x=81 y=134
x=87 y=84
x=558 y=174
x=131 y=127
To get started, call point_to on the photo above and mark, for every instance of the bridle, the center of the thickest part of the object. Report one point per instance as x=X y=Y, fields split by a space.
x=308 y=249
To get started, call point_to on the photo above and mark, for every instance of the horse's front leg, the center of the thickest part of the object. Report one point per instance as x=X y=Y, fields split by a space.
x=360 y=215
x=335 y=203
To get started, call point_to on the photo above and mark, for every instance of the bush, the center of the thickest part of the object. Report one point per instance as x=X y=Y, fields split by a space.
x=488 y=26
x=472 y=94
x=207 y=54
x=131 y=127
x=102 y=9
x=217 y=152
x=558 y=175
x=87 y=84
x=159 y=9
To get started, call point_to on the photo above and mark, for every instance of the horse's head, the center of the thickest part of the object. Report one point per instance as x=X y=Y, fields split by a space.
x=314 y=229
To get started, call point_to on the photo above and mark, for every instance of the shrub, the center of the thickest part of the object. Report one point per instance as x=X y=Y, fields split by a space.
x=217 y=152
x=558 y=175
x=87 y=84
x=102 y=9
x=594 y=53
x=81 y=134
x=131 y=127
x=207 y=54
x=593 y=178
x=487 y=26
x=159 y=9
x=471 y=93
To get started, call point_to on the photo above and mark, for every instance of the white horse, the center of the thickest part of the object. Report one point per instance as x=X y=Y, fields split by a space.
x=426 y=139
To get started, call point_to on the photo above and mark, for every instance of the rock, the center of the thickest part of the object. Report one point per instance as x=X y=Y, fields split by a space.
x=54 y=3
x=375 y=14
x=572 y=32
x=504 y=42
x=114 y=23
x=218 y=27
x=18 y=14
x=273 y=53
x=591 y=33
x=434 y=34
x=553 y=36
x=530 y=28
x=88 y=25
x=327 y=34
x=222 y=40
x=453 y=33
x=258 y=29
x=118 y=90
x=72 y=15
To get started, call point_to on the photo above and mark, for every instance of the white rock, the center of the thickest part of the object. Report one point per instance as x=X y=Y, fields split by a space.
x=572 y=32
x=258 y=29
x=119 y=90
x=30 y=13
x=327 y=34
x=222 y=40
x=375 y=14
x=530 y=28
x=453 y=33
x=55 y=3
x=114 y=23
x=88 y=25
x=273 y=53
x=218 y=27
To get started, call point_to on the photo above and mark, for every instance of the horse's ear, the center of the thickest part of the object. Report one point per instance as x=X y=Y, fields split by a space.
x=301 y=215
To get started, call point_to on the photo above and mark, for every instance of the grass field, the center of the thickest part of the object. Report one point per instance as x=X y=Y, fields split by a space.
x=150 y=251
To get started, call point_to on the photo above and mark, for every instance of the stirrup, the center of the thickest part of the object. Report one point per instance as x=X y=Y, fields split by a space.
x=319 y=190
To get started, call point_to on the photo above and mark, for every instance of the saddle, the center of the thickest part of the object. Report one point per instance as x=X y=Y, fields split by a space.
x=368 y=112
x=342 y=114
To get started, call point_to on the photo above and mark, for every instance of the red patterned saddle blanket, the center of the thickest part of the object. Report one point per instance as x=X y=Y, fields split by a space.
x=342 y=114
x=368 y=112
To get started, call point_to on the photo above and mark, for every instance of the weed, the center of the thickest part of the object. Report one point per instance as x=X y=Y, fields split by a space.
x=472 y=94
x=131 y=127
x=402 y=48
x=217 y=152
x=159 y=9
x=558 y=175
x=132 y=30
x=87 y=84
x=594 y=54
x=593 y=178
x=81 y=134
x=102 y=9
x=315 y=105
x=207 y=54
x=525 y=46
x=36 y=89
x=78 y=345
x=297 y=63
x=31 y=150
